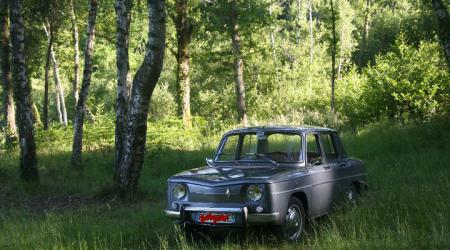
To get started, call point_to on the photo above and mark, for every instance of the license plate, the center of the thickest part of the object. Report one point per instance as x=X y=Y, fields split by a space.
x=213 y=218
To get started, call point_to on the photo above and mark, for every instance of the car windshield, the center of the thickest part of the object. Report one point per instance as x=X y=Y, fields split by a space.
x=261 y=147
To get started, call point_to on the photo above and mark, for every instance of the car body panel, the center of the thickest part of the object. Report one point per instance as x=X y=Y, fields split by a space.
x=224 y=184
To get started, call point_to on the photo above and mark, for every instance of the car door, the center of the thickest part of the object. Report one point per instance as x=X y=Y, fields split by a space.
x=345 y=169
x=321 y=177
x=337 y=166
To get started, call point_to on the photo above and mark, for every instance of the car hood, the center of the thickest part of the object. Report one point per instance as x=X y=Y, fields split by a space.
x=236 y=174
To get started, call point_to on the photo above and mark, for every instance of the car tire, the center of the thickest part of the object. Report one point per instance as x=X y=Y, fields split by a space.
x=294 y=225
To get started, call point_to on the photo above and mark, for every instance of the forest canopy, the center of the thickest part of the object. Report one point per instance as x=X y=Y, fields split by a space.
x=342 y=64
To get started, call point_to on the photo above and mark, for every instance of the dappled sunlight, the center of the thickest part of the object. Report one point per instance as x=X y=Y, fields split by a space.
x=406 y=198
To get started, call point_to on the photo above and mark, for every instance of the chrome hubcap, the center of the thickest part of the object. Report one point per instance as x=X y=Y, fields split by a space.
x=351 y=196
x=293 y=222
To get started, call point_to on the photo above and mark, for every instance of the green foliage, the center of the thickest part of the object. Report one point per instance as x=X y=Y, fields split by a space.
x=349 y=98
x=397 y=73
x=407 y=83
x=282 y=84
x=406 y=164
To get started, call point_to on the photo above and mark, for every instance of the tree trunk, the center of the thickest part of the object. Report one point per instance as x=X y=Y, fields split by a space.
x=362 y=46
x=333 y=54
x=311 y=48
x=238 y=65
x=298 y=28
x=22 y=94
x=60 y=101
x=35 y=111
x=58 y=106
x=340 y=65
x=8 y=103
x=444 y=28
x=49 y=32
x=341 y=55
x=143 y=85
x=87 y=71
x=76 y=55
x=47 y=71
x=184 y=33
x=273 y=45
x=311 y=35
x=123 y=11
x=59 y=89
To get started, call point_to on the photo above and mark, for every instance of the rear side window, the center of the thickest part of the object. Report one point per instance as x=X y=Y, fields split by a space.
x=329 y=147
x=312 y=146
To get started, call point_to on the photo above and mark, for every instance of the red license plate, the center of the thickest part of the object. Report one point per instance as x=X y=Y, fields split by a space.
x=213 y=218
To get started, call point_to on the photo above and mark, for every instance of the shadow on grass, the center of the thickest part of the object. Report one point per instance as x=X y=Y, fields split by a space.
x=59 y=181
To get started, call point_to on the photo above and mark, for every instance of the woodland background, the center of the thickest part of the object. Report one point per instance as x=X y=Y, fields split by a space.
x=377 y=70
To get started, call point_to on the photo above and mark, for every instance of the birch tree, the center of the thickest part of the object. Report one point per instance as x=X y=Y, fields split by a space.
x=76 y=53
x=143 y=85
x=22 y=95
x=46 y=77
x=8 y=102
x=87 y=71
x=59 y=90
x=123 y=12
x=238 y=65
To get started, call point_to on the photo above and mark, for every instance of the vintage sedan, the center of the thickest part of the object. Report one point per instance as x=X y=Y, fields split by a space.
x=277 y=175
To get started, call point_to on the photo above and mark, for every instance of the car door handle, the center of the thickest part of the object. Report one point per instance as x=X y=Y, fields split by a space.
x=342 y=165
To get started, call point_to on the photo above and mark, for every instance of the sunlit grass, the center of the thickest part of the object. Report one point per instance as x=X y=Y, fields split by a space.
x=406 y=207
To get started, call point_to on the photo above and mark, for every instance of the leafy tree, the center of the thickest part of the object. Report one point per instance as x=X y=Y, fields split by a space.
x=407 y=83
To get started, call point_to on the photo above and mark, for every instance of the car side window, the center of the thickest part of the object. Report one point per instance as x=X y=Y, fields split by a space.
x=313 y=149
x=328 y=146
x=284 y=147
x=229 y=148
x=249 y=144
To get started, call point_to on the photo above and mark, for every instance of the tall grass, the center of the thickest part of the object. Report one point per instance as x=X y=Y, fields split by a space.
x=406 y=207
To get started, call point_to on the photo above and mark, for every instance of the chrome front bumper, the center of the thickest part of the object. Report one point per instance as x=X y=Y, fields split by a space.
x=249 y=218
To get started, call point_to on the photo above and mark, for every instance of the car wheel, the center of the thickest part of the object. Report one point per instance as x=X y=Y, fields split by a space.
x=294 y=224
x=351 y=195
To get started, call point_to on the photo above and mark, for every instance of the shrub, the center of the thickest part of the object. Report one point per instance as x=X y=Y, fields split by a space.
x=407 y=84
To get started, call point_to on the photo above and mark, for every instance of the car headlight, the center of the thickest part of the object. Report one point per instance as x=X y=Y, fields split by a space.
x=179 y=191
x=254 y=192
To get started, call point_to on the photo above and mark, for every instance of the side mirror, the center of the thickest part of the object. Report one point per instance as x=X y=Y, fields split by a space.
x=209 y=161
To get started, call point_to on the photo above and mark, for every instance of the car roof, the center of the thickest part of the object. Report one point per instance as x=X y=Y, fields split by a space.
x=284 y=128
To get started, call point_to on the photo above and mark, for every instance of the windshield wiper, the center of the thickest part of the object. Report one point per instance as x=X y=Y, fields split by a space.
x=265 y=157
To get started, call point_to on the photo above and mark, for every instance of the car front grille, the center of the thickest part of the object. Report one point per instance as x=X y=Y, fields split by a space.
x=221 y=194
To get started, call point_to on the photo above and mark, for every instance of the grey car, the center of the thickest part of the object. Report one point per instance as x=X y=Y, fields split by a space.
x=270 y=175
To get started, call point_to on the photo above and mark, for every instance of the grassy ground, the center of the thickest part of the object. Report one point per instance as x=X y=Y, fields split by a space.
x=407 y=206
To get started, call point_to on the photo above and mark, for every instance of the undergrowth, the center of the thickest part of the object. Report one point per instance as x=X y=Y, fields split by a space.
x=406 y=206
